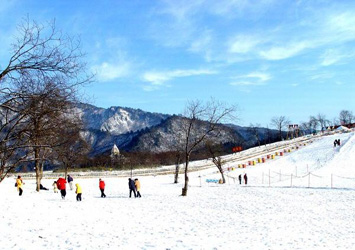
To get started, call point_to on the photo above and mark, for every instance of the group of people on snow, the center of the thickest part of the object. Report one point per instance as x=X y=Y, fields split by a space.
x=60 y=185
x=336 y=142
x=245 y=179
x=134 y=187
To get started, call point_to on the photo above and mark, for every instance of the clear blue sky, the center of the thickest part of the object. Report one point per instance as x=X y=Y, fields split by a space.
x=270 y=57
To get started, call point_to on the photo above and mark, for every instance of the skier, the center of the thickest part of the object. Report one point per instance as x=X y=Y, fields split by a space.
x=138 y=187
x=19 y=185
x=102 y=188
x=78 y=192
x=61 y=186
x=132 y=188
x=240 y=179
x=245 y=179
x=70 y=181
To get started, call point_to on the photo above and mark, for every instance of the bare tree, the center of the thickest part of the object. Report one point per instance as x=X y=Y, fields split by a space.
x=45 y=68
x=48 y=114
x=346 y=117
x=42 y=49
x=280 y=123
x=197 y=115
x=72 y=150
x=313 y=123
x=322 y=121
x=215 y=151
x=254 y=130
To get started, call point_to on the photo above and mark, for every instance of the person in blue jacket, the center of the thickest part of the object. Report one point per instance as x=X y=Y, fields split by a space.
x=132 y=188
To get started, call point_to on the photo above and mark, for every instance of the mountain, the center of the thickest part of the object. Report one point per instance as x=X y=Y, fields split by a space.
x=115 y=125
x=167 y=136
x=137 y=130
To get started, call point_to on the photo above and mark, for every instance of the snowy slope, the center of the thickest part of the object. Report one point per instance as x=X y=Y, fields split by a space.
x=212 y=216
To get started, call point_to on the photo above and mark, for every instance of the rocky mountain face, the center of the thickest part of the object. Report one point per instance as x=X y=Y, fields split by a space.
x=137 y=130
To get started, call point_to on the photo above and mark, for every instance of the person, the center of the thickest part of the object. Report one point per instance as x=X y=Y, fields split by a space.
x=335 y=143
x=338 y=142
x=138 y=187
x=78 y=192
x=132 y=188
x=102 y=188
x=41 y=187
x=19 y=185
x=61 y=184
x=245 y=179
x=70 y=181
x=55 y=187
x=240 y=179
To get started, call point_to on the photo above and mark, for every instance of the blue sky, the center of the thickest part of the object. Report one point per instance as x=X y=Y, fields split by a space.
x=269 y=57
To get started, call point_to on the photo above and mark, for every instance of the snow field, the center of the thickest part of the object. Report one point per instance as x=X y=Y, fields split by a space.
x=212 y=216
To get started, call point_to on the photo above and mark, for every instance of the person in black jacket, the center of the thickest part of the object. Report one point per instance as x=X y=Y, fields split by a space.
x=132 y=188
x=240 y=179
x=70 y=181
x=245 y=179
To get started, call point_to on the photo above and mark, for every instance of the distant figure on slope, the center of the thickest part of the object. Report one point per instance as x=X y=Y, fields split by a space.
x=240 y=179
x=70 y=181
x=335 y=143
x=102 y=188
x=338 y=142
x=62 y=187
x=132 y=188
x=19 y=185
x=245 y=179
x=55 y=187
x=78 y=192
x=138 y=187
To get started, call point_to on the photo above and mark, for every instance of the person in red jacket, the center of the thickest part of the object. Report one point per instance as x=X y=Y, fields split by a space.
x=61 y=186
x=102 y=188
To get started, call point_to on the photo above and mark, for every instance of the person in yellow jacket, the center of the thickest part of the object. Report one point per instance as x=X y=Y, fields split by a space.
x=138 y=187
x=19 y=185
x=78 y=192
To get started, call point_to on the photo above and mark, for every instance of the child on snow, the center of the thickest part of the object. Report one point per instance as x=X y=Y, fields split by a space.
x=78 y=192
x=19 y=185
x=55 y=187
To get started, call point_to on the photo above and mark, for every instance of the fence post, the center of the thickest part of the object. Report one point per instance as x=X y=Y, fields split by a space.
x=291 y=180
x=269 y=177
x=309 y=179
x=331 y=181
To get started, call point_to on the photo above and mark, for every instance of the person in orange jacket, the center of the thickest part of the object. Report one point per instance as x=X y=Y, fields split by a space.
x=138 y=187
x=19 y=185
x=102 y=188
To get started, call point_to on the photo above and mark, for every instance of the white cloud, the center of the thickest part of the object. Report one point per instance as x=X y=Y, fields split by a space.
x=333 y=56
x=108 y=72
x=254 y=78
x=283 y=52
x=160 y=78
x=243 y=44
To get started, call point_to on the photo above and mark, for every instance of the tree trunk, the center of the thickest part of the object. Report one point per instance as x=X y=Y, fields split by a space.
x=184 y=189
x=177 y=169
x=38 y=170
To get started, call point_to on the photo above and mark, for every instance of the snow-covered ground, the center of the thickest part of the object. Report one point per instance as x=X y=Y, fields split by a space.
x=262 y=215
